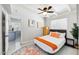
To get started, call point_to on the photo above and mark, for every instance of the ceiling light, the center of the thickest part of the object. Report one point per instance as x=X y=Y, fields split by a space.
x=45 y=14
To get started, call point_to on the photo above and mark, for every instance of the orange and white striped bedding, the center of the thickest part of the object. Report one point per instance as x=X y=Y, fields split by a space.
x=49 y=44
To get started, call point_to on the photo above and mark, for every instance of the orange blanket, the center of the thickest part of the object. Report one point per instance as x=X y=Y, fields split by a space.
x=50 y=44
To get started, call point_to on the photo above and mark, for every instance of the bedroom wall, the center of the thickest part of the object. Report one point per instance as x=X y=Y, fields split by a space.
x=59 y=24
x=71 y=18
x=78 y=13
x=0 y=32
x=28 y=33
x=78 y=20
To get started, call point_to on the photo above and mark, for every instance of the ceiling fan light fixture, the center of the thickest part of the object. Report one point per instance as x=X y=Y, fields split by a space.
x=45 y=14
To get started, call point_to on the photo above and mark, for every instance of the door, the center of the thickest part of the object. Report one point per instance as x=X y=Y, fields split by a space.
x=4 y=32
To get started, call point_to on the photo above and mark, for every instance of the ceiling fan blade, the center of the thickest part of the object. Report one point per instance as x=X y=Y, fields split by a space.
x=49 y=7
x=40 y=9
x=50 y=11
x=45 y=8
x=40 y=13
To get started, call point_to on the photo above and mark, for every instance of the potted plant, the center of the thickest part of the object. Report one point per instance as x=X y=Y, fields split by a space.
x=74 y=33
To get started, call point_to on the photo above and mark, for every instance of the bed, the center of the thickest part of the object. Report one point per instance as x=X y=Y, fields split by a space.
x=51 y=44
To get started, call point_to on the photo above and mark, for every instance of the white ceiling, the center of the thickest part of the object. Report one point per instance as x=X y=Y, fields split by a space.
x=58 y=8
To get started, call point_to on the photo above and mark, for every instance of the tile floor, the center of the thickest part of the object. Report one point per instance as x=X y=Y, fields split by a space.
x=66 y=50
x=13 y=46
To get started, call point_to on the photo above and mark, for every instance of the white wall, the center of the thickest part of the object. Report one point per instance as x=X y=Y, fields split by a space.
x=78 y=21
x=25 y=14
x=0 y=30
x=71 y=18
x=47 y=22
x=78 y=14
x=59 y=24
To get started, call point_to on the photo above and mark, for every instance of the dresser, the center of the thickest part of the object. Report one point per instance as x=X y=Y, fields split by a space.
x=45 y=30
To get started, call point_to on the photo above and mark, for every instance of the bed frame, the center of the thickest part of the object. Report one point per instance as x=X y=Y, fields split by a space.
x=61 y=31
x=55 y=30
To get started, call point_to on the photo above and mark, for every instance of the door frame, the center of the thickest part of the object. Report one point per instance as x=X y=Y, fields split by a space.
x=5 y=37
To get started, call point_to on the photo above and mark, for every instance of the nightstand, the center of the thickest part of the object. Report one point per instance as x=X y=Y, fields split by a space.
x=70 y=42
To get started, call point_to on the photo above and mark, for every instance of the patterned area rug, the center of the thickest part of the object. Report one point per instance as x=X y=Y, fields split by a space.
x=29 y=50
x=32 y=49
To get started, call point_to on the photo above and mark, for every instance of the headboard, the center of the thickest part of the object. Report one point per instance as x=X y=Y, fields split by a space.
x=59 y=30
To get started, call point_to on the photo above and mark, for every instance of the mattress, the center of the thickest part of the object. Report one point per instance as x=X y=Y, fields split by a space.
x=57 y=41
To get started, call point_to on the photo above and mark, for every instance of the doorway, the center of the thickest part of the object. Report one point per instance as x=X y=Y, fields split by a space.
x=14 y=34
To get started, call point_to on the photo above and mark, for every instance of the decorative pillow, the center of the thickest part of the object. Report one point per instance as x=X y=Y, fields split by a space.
x=55 y=34
x=62 y=35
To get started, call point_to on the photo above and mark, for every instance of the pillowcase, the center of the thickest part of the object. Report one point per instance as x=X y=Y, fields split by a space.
x=58 y=34
x=62 y=35
x=54 y=34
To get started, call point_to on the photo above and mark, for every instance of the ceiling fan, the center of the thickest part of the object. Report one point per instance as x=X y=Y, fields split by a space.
x=46 y=9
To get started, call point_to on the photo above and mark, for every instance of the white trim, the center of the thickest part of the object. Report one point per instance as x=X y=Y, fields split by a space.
x=7 y=18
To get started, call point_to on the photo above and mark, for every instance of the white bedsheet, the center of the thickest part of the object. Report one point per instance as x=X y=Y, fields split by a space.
x=58 y=41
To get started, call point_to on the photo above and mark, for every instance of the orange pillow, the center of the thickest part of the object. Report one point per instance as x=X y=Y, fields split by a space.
x=54 y=34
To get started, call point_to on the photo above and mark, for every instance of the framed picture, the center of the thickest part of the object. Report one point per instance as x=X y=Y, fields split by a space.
x=32 y=23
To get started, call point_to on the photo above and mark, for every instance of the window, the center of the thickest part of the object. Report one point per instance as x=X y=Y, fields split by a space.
x=59 y=24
